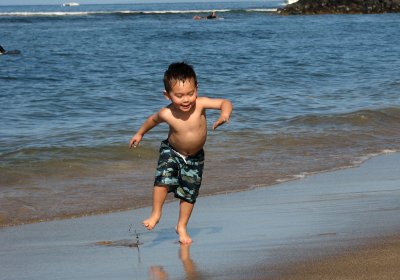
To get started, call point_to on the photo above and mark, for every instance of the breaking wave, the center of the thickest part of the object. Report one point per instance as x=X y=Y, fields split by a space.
x=128 y=12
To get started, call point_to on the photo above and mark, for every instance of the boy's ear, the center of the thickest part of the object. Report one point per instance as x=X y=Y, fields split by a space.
x=166 y=95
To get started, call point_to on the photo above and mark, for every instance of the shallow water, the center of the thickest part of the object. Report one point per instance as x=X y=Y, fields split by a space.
x=310 y=94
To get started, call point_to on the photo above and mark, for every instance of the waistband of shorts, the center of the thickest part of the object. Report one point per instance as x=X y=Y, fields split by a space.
x=166 y=142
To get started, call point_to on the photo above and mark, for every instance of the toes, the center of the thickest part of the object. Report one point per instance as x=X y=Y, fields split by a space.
x=147 y=225
x=186 y=241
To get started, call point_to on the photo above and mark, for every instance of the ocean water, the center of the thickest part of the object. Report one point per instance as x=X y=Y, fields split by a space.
x=310 y=94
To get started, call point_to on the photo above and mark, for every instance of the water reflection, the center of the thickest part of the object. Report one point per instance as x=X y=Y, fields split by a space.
x=189 y=266
x=157 y=273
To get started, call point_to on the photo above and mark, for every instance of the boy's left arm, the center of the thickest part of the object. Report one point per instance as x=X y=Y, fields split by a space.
x=220 y=104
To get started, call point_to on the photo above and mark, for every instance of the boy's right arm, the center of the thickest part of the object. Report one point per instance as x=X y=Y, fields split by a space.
x=151 y=122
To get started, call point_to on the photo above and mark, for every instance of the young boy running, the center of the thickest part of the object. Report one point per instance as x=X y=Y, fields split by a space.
x=181 y=161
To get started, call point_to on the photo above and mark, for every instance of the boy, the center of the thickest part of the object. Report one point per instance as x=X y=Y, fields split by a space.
x=181 y=161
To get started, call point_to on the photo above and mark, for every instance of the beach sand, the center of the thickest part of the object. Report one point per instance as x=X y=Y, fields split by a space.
x=377 y=259
x=337 y=225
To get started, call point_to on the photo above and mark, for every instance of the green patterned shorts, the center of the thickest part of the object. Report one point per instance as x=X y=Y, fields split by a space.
x=181 y=174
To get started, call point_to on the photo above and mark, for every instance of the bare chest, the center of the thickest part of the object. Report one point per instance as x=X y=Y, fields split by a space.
x=196 y=122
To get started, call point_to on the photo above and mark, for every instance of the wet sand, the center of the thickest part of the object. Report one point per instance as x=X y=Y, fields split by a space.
x=314 y=228
x=377 y=259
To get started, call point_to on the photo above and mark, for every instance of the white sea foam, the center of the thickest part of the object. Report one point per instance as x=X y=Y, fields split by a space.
x=35 y=14
x=83 y=13
x=389 y=151
x=293 y=177
x=261 y=10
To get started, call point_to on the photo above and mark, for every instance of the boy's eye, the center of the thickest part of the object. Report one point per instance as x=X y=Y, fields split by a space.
x=182 y=95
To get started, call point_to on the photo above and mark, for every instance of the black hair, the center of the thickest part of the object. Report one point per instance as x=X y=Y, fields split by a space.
x=179 y=71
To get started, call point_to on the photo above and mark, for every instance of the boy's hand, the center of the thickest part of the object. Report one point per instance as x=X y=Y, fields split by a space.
x=220 y=121
x=135 y=141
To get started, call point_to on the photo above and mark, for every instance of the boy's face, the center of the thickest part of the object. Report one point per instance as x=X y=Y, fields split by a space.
x=183 y=95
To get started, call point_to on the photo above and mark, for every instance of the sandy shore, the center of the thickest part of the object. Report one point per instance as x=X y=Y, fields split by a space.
x=377 y=259
x=327 y=226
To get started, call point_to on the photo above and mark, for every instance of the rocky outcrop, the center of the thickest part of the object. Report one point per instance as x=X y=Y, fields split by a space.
x=312 y=7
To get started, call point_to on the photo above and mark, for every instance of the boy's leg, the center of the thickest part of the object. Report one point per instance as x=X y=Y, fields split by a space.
x=159 y=195
x=185 y=210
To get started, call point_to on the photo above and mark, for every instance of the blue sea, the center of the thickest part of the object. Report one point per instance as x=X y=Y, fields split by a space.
x=310 y=94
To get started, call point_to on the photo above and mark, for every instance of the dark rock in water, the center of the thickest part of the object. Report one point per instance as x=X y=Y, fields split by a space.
x=12 y=52
x=3 y=51
x=313 y=7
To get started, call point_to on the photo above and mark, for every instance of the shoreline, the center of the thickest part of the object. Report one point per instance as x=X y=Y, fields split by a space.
x=206 y=192
x=258 y=234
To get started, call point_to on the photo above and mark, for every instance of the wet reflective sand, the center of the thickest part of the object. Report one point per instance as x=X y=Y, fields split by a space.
x=248 y=235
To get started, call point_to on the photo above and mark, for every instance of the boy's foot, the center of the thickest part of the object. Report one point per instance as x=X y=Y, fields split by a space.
x=184 y=237
x=151 y=222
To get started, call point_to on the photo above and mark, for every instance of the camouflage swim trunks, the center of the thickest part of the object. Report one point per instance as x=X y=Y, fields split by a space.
x=181 y=174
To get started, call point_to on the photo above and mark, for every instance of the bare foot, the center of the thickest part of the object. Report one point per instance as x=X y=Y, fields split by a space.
x=151 y=222
x=184 y=237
